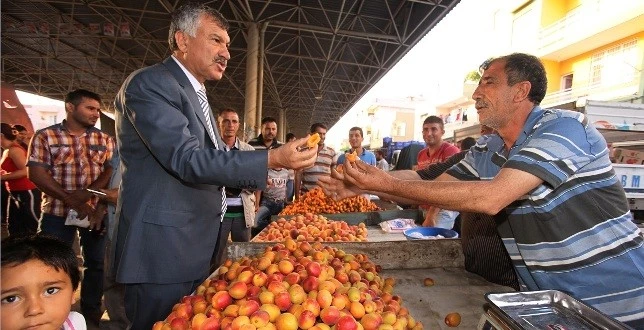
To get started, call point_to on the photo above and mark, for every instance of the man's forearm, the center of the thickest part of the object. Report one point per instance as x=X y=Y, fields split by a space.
x=102 y=180
x=46 y=183
x=402 y=175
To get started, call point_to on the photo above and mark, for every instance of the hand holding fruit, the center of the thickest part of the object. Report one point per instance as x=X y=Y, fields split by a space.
x=351 y=157
x=313 y=140
x=293 y=155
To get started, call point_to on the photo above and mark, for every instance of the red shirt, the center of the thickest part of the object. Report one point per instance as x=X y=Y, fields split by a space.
x=21 y=184
x=446 y=150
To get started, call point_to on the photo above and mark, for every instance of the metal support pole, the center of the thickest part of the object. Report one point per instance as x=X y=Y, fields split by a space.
x=281 y=130
x=260 y=77
x=251 y=128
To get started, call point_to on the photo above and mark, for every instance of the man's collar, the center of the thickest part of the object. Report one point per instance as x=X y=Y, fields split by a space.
x=63 y=126
x=193 y=81
x=533 y=118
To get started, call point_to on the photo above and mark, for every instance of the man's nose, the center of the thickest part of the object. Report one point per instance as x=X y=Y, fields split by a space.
x=226 y=54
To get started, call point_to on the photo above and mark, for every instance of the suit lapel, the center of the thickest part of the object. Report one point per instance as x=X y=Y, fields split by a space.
x=183 y=80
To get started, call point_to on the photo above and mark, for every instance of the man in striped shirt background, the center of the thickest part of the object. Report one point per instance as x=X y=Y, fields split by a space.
x=307 y=179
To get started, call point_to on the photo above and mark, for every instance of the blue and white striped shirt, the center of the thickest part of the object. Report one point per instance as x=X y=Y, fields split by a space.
x=573 y=233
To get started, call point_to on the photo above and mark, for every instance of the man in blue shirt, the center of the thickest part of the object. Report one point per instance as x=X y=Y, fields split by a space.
x=355 y=140
x=567 y=224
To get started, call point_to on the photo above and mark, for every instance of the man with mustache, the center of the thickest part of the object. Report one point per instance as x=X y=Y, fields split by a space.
x=175 y=169
x=547 y=174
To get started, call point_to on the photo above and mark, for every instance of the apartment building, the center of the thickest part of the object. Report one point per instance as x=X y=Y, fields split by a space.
x=592 y=49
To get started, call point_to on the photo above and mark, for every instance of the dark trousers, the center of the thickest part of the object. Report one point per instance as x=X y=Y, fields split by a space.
x=236 y=227
x=93 y=246
x=113 y=297
x=24 y=212
x=147 y=303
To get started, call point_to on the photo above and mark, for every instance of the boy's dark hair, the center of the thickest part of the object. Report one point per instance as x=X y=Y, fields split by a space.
x=315 y=126
x=356 y=128
x=75 y=97
x=434 y=120
x=290 y=136
x=49 y=250
x=268 y=120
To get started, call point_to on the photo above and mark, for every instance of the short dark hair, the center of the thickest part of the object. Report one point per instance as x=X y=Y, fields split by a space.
x=378 y=151
x=356 y=128
x=75 y=97
x=268 y=120
x=7 y=131
x=467 y=143
x=315 y=126
x=524 y=67
x=434 y=120
x=51 y=251
x=225 y=110
x=290 y=136
x=186 y=18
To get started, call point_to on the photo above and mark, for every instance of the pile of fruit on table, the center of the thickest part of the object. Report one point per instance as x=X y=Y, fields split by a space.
x=312 y=227
x=315 y=201
x=290 y=286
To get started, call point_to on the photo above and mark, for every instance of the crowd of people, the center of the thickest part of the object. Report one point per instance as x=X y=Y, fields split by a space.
x=155 y=205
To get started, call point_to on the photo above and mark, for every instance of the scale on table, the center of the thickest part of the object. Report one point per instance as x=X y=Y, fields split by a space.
x=544 y=310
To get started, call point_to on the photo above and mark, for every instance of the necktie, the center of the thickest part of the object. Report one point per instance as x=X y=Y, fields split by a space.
x=203 y=101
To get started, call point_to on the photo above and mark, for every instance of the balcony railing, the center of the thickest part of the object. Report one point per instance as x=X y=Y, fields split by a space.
x=587 y=20
x=594 y=91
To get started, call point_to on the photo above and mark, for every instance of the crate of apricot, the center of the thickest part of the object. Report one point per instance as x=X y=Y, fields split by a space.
x=312 y=227
x=292 y=286
x=316 y=202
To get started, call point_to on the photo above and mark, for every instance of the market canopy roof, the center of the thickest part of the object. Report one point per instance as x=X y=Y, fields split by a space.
x=321 y=56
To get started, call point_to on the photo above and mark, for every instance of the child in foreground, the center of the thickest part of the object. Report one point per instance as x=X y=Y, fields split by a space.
x=39 y=275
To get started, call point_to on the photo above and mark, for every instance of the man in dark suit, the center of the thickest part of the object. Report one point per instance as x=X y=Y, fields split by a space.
x=175 y=169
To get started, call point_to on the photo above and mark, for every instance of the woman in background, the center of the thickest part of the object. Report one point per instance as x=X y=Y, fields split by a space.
x=24 y=197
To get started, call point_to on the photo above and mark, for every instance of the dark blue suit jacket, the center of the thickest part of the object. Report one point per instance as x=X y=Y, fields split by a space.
x=169 y=204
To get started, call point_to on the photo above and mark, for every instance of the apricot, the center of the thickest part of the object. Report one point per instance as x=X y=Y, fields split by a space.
x=428 y=282
x=286 y=321
x=313 y=140
x=453 y=319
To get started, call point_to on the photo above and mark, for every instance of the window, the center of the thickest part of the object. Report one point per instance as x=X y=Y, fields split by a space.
x=616 y=65
x=566 y=82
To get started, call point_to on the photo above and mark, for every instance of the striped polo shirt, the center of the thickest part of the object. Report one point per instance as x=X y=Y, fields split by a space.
x=574 y=232
x=322 y=167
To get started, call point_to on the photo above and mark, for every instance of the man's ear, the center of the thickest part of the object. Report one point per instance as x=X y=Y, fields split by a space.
x=182 y=40
x=522 y=90
x=69 y=107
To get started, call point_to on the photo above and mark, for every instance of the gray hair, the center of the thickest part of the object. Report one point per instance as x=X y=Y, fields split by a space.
x=186 y=19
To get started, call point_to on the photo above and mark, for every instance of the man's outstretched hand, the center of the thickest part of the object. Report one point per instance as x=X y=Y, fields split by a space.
x=335 y=186
x=294 y=155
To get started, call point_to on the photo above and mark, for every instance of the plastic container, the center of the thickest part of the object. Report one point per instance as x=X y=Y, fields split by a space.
x=429 y=231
